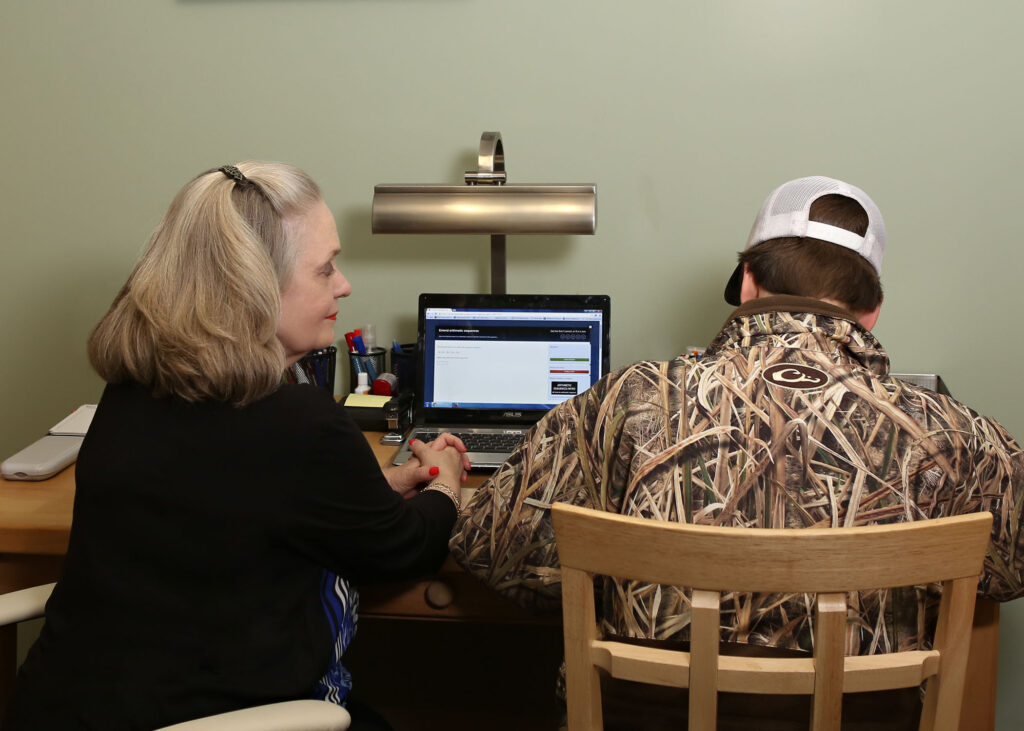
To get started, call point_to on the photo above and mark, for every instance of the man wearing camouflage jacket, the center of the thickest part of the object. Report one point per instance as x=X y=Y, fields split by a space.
x=789 y=419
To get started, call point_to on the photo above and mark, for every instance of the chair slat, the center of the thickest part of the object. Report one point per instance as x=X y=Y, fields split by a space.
x=642 y=664
x=829 y=640
x=894 y=670
x=773 y=675
x=705 y=629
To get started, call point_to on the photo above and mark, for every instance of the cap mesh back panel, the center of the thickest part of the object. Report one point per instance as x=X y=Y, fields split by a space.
x=794 y=197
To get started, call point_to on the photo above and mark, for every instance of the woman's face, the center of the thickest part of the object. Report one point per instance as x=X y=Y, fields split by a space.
x=309 y=306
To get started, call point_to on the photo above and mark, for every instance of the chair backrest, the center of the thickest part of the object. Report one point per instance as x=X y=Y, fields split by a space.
x=711 y=560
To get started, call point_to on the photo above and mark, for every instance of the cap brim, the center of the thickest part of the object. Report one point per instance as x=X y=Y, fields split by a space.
x=732 y=289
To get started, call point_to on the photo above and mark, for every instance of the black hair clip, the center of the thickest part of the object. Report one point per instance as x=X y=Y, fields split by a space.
x=235 y=174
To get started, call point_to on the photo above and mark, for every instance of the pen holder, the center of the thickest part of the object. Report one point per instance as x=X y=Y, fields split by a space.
x=319 y=368
x=404 y=365
x=372 y=362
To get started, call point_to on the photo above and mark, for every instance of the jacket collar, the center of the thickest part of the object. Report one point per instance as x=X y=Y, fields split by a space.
x=785 y=321
x=791 y=303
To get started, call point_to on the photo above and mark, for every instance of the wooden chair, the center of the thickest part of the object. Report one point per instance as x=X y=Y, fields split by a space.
x=300 y=715
x=711 y=560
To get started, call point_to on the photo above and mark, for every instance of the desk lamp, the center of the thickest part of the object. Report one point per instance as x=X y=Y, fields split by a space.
x=486 y=205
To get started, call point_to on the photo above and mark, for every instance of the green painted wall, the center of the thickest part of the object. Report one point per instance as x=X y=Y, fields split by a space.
x=685 y=114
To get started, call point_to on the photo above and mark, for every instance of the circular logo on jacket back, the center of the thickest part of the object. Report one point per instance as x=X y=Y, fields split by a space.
x=795 y=375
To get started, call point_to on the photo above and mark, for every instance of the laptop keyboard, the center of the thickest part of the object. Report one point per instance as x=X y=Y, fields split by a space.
x=477 y=442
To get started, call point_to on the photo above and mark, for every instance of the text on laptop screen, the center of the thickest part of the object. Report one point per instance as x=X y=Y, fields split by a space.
x=508 y=358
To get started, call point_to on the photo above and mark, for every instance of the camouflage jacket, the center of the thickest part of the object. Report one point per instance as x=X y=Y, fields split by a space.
x=789 y=420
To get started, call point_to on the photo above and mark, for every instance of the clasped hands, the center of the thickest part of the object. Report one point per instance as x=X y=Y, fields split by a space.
x=443 y=460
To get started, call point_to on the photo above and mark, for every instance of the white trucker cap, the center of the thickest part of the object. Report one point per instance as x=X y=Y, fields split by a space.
x=785 y=214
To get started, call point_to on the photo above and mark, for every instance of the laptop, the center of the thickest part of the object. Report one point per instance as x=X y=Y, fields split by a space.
x=491 y=365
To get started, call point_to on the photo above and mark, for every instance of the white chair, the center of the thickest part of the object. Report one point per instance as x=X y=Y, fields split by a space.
x=302 y=715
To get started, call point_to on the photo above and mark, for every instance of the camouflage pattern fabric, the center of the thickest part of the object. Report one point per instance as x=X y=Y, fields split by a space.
x=789 y=420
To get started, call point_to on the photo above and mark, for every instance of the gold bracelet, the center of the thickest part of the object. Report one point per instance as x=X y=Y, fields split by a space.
x=441 y=487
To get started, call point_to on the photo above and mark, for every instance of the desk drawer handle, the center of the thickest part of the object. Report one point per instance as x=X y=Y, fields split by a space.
x=439 y=595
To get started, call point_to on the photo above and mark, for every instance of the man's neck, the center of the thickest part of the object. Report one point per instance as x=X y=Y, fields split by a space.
x=866 y=320
x=794 y=303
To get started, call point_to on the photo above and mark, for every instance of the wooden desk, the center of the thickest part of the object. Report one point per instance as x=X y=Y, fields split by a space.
x=35 y=522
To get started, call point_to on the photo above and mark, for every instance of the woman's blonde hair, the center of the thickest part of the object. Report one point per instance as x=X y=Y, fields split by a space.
x=198 y=316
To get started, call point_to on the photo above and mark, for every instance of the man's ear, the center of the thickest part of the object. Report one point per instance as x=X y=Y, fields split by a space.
x=868 y=319
x=749 y=289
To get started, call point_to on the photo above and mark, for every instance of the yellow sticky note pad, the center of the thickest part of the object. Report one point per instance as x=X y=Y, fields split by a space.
x=366 y=400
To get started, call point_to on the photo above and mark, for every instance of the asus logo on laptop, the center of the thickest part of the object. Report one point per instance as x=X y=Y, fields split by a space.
x=511 y=414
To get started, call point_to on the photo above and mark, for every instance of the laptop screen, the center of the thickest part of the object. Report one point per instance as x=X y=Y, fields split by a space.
x=509 y=357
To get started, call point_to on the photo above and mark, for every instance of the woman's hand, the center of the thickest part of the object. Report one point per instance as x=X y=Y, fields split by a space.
x=443 y=459
x=405 y=478
x=444 y=440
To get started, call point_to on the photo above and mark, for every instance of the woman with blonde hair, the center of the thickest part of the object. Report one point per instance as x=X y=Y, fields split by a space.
x=221 y=515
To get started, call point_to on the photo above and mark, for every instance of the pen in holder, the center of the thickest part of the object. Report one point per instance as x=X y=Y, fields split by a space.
x=318 y=367
x=371 y=362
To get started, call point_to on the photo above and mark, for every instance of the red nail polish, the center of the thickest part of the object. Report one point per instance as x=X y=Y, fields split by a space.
x=434 y=471
x=413 y=440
